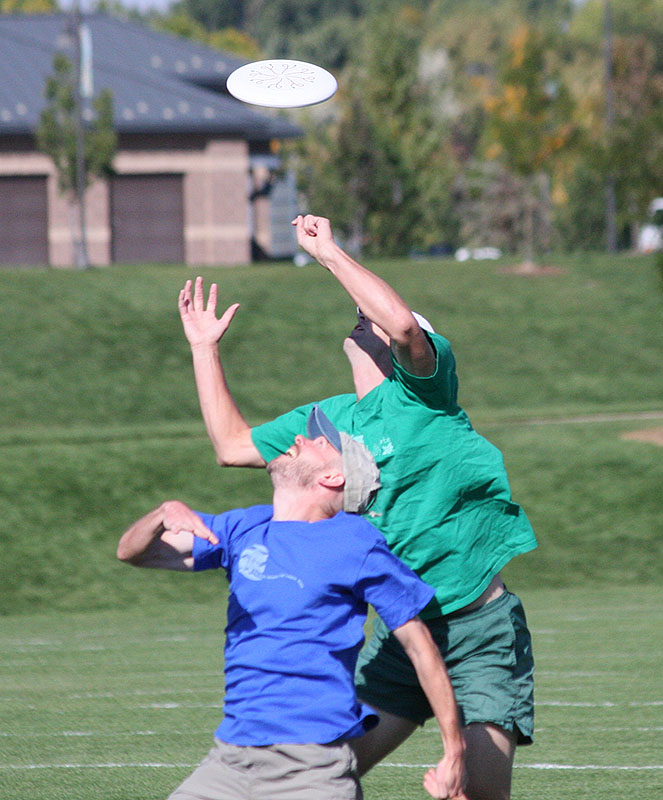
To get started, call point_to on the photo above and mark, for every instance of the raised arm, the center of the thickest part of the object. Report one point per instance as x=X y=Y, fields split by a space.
x=228 y=430
x=448 y=778
x=375 y=297
x=163 y=538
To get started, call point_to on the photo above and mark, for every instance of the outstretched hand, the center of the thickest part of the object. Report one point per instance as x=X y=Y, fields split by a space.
x=314 y=234
x=200 y=322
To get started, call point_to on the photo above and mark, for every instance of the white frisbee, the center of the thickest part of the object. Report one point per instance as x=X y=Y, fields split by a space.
x=281 y=83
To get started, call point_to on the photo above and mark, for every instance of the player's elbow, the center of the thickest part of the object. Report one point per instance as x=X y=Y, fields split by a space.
x=125 y=554
x=228 y=456
x=238 y=452
x=405 y=327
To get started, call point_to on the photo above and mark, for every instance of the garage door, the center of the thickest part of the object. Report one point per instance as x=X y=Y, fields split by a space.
x=147 y=218
x=23 y=220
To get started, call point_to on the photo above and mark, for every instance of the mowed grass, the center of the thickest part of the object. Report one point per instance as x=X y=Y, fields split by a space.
x=110 y=678
x=99 y=419
x=123 y=704
x=594 y=500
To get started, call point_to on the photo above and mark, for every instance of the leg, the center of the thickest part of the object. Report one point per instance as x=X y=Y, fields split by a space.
x=489 y=761
x=390 y=732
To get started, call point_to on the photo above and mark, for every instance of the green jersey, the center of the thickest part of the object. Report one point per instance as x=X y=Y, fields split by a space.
x=445 y=505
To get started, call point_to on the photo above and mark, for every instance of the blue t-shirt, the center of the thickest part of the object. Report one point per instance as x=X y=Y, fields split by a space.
x=298 y=601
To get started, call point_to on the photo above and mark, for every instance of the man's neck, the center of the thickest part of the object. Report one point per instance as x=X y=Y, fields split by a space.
x=299 y=506
x=365 y=380
x=366 y=374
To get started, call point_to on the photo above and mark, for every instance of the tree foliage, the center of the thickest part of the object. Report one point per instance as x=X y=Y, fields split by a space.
x=383 y=162
x=440 y=97
x=529 y=123
x=57 y=132
x=27 y=6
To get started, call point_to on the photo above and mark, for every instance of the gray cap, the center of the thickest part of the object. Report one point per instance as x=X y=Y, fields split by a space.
x=362 y=477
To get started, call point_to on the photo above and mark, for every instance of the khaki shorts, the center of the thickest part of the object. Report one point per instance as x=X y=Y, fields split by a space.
x=276 y=772
x=488 y=654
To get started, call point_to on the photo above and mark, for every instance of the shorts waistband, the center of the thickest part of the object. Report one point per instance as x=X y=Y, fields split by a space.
x=487 y=608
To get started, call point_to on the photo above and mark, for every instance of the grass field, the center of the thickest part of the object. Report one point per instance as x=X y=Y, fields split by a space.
x=121 y=705
x=110 y=677
x=99 y=419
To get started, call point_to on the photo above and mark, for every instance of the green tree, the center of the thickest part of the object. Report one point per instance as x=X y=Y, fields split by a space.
x=634 y=145
x=529 y=124
x=628 y=146
x=213 y=15
x=383 y=163
x=27 y=6
x=58 y=132
x=228 y=39
x=629 y=18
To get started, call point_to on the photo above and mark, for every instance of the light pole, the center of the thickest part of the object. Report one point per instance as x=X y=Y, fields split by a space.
x=608 y=73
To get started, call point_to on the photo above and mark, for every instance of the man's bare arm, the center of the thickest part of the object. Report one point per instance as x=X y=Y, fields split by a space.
x=448 y=778
x=228 y=430
x=375 y=297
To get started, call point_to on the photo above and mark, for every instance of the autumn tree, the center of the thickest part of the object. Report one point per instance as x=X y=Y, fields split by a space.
x=528 y=125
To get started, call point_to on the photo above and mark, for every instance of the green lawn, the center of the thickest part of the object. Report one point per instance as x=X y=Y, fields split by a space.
x=99 y=419
x=110 y=677
x=122 y=704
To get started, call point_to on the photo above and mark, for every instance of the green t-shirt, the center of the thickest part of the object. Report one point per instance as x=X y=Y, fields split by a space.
x=445 y=504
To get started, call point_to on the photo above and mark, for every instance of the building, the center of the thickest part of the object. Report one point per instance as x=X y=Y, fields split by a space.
x=194 y=174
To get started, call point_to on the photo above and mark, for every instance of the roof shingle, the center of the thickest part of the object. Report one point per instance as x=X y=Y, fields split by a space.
x=160 y=83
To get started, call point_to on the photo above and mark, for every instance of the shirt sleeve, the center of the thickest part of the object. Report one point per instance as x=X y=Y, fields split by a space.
x=391 y=587
x=213 y=556
x=439 y=390
x=275 y=437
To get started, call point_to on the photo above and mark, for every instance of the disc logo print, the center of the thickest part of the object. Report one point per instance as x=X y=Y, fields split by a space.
x=253 y=566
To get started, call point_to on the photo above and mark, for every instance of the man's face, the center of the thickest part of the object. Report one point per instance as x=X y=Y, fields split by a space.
x=303 y=461
x=368 y=335
x=371 y=340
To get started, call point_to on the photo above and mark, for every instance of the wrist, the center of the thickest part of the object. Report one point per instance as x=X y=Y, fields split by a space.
x=205 y=349
x=454 y=749
x=330 y=255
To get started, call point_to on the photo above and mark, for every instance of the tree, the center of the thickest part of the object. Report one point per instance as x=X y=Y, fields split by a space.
x=623 y=144
x=634 y=148
x=384 y=162
x=228 y=39
x=60 y=137
x=529 y=124
x=27 y=6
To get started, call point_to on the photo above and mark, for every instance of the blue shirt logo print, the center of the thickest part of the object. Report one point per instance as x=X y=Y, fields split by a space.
x=253 y=563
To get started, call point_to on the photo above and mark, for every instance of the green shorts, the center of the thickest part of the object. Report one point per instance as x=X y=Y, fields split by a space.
x=488 y=654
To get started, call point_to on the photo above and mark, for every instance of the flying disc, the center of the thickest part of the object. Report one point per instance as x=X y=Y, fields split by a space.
x=281 y=83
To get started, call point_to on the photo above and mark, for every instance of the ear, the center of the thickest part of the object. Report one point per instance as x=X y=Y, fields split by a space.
x=332 y=480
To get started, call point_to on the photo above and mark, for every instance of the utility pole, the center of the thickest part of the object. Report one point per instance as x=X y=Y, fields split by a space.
x=81 y=253
x=608 y=71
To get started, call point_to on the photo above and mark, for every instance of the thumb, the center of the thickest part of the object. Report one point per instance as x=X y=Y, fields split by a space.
x=228 y=316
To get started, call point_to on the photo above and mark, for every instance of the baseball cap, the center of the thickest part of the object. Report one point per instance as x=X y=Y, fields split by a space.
x=424 y=324
x=362 y=477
